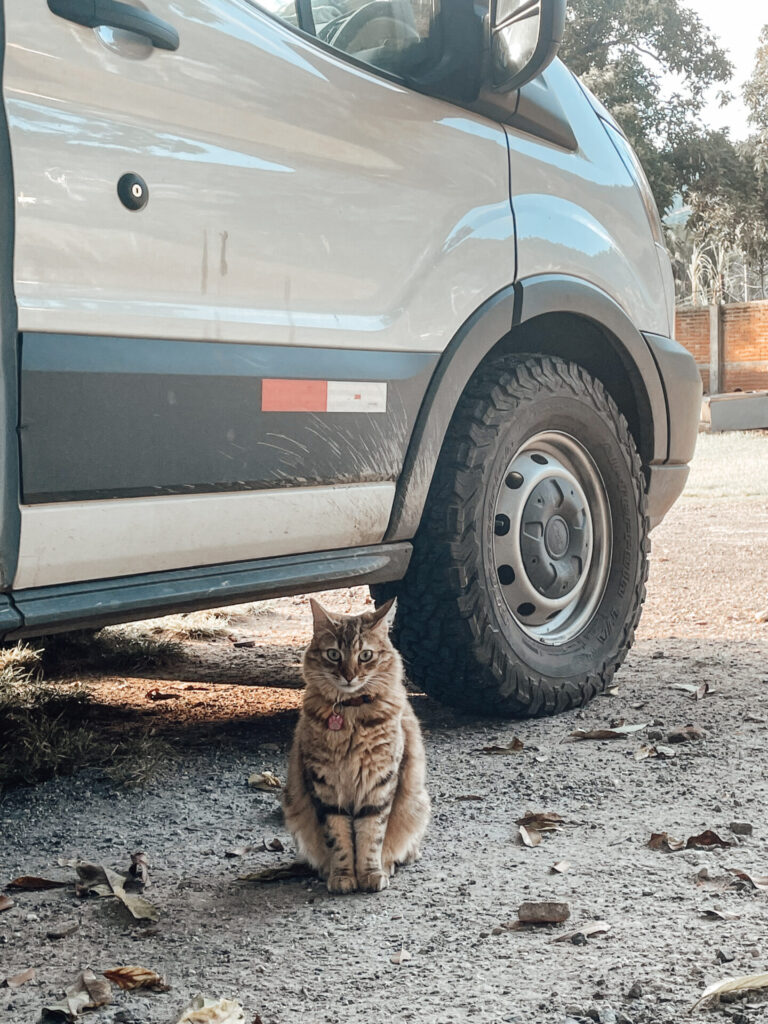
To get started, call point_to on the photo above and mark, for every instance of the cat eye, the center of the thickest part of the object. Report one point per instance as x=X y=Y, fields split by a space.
x=365 y=655
x=332 y=654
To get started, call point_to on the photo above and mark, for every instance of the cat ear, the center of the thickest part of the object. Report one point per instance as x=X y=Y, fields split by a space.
x=384 y=616
x=320 y=617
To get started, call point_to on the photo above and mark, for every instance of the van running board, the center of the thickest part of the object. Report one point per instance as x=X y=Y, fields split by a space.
x=93 y=604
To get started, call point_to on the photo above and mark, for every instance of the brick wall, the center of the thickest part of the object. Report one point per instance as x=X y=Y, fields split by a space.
x=744 y=333
x=692 y=331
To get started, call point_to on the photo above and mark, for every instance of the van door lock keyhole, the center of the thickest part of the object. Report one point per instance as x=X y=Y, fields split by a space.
x=132 y=191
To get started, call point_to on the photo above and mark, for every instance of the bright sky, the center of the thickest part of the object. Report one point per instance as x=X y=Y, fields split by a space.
x=737 y=25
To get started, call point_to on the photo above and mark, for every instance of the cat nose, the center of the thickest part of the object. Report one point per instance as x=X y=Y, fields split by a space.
x=348 y=674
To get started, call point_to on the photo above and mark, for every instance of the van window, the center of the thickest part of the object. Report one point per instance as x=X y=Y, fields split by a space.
x=393 y=35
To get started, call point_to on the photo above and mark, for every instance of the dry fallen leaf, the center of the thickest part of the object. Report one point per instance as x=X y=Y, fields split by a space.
x=273 y=845
x=713 y=883
x=238 y=851
x=762 y=616
x=688 y=734
x=131 y=977
x=664 y=753
x=560 y=867
x=265 y=781
x=139 y=869
x=515 y=747
x=720 y=915
x=618 y=732
x=586 y=929
x=529 y=836
x=86 y=992
x=62 y=930
x=664 y=841
x=101 y=881
x=17 y=980
x=157 y=694
x=542 y=821
x=401 y=956
x=705 y=840
x=469 y=796
x=697 y=691
x=91 y=880
x=543 y=913
x=6 y=902
x=212 y=1011
x=295 y=870
x=756 y=881
x=746 y=983
x=31 y=883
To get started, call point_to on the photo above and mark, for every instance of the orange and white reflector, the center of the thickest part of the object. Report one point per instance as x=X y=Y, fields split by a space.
x=282 y=395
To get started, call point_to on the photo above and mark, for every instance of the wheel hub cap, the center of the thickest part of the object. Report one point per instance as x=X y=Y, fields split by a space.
x=552 y=537
x=555 y=536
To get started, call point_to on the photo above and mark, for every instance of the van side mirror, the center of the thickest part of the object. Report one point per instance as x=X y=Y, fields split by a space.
x=524 y=39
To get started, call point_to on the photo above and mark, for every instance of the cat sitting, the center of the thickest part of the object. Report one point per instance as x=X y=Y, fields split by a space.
x=355 y=798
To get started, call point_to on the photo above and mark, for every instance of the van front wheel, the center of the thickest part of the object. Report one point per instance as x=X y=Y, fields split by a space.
x=528 y=572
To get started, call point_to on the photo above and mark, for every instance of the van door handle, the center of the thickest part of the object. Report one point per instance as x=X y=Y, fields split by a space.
x=112 y=13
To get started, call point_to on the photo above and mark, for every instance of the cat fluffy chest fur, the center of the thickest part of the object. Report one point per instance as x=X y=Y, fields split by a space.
x=355 y=798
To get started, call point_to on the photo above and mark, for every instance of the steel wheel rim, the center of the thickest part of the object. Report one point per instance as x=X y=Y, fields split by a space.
x=552 y=537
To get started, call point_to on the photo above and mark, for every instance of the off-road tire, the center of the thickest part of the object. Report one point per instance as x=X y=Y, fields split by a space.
x=459 y=640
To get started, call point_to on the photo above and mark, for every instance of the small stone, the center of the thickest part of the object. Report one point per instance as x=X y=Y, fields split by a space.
x=755 y=952
x=741 y=828
x=607 y=1015
x=636 y=991
x=724 y=956
x=654 y=735
x=543 y=913
x=579 y=939
x=497 y=930
x=484 y=935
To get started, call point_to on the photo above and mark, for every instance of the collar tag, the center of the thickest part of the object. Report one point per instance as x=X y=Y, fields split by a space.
x=335 y=721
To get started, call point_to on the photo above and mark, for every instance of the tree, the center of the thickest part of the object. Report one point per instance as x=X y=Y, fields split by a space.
x=756 y=97
x=728 y=194
x=623 y=50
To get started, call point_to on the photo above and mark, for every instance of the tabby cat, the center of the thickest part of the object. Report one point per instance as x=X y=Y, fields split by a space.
x=355 y=799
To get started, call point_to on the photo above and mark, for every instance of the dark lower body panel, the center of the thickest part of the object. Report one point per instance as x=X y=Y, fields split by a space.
x=105 y=417
x=102 y=602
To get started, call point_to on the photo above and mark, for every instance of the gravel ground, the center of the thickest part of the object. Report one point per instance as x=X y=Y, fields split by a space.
x=289 y=952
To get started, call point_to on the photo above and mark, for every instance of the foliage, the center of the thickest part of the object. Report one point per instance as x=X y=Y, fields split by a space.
x=728 y=196
x=622 y=49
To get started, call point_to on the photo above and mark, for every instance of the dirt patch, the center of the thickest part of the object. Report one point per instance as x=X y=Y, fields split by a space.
x=290 y=952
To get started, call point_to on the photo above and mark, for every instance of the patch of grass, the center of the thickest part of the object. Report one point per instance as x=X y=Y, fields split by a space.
x=208 y=625
x=141 y=761
x=113 y=647
x=49 y=729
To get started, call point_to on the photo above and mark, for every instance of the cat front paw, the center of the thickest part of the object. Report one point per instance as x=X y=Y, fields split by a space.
x=341 y=883
x=374 y=881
